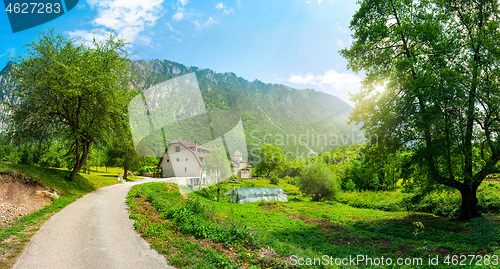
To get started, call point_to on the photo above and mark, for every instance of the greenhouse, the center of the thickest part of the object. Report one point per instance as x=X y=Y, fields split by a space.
x=248 y=195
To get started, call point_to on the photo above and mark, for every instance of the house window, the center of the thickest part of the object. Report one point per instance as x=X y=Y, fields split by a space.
x=177 y=159
x=168 y=160
x=177 y=149
x=186 y=159
x=185 y=169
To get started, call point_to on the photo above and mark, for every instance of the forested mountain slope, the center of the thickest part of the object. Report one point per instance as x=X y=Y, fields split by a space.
x=298 y=121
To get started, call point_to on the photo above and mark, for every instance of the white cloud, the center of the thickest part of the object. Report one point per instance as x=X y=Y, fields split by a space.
x=128 y=18
x=223 y=8
x=307 y=79
x=332 y=82
x=203 y=25
x=88 y=36
x=340 y=43
x=183 y=2
x=179 y=15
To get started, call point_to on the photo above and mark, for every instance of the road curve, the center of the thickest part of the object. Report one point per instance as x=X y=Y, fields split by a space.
x=93 y=232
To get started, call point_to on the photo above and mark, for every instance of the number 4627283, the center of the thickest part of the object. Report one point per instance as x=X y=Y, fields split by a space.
x=25 y=8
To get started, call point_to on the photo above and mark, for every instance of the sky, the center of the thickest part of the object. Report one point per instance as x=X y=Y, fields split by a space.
x=290 y=42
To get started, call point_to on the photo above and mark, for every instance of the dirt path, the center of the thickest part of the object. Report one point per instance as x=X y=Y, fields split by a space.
x=93 y=232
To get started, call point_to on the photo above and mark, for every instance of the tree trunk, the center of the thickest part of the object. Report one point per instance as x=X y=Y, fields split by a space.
x=469 y=203
x=79 y=160
x=125 y=171
x=218 y=192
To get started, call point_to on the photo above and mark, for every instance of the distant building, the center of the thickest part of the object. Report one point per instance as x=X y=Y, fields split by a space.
x=249 y=195
x=184 y=159
x=241 y=168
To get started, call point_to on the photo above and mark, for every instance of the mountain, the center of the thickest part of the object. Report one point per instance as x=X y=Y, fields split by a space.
x=300 y=122
x=4 y=90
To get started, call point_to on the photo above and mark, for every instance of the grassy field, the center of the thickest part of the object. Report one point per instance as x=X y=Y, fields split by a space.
x=263 y=235
x=17 y=233
x=442 y=203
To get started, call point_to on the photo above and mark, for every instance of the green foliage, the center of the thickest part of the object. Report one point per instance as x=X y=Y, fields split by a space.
x=270 y=113
x=78 y=85
x=311 y=229
x=381 y=200
x=291 y=168
x=350 y=185
x=441 y=203
x=274 y=180
x=484 y=231
x=271 y=158
x=318 y=181
x=146 y=169
x=169 y=239
x=489 y=197
x=435 y=76
x=196 y=219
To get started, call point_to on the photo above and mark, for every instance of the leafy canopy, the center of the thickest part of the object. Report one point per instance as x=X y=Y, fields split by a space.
x=440 y=63
x=69 y=89
x=271 y=158
x=318 y=181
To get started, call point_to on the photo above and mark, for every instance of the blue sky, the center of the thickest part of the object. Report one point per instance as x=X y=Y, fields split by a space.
x=290 y=42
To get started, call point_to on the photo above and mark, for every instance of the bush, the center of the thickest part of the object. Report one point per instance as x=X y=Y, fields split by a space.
x=195 y=219
x=146 y=169
x=441 y=203
x=274 y=180
x=350 y=185
x=381 y=200
x=318 y=181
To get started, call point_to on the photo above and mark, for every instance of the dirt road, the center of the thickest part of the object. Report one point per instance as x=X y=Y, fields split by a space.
x=93 y=232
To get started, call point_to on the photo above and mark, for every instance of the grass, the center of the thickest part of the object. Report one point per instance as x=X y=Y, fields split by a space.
x=381 y=200
x=305 y=229
x=442 y=203
x=16 y=234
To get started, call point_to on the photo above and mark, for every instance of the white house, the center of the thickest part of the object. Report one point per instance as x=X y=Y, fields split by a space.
x=184 y=160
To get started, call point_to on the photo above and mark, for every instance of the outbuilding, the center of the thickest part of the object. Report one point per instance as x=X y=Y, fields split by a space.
x=248 y=195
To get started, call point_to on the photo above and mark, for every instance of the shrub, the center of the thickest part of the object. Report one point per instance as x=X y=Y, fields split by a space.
x=146 y=169
x=274 y=180
x=318 y=181
x=195 y=219
x=350 y=185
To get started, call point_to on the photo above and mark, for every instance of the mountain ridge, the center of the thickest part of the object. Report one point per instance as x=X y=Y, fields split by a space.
x=300 y=121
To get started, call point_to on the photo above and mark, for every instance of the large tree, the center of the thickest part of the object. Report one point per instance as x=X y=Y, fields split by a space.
x=69 y=89
x=439 y=60
x=271 y=158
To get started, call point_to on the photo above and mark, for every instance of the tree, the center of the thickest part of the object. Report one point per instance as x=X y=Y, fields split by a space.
x=70 y=90
x=318 y=181
x=440 y=62
x=121 y=152
x=271 y=157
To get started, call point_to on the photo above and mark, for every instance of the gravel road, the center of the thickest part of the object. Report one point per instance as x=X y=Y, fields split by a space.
x=93 y=232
